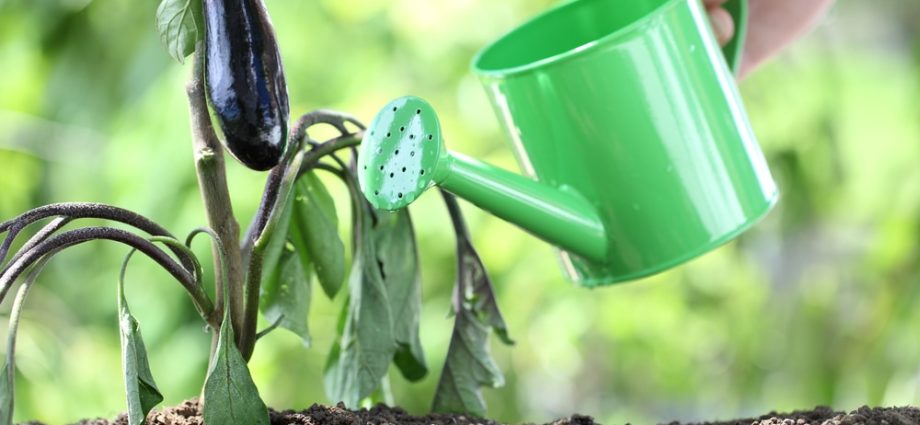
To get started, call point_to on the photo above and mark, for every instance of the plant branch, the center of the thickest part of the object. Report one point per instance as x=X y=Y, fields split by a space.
x=254 y=279
x=77 y=210
x=40 y=236
x=75 y=237
x=330 y=147
x=13 y=326
x=278 y=189
x=212 y=181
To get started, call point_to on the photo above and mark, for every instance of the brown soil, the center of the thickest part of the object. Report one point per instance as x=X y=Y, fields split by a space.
x=188 y=414
x=825 y=416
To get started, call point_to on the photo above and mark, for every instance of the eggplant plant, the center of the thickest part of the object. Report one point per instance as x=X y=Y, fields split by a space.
x=291 y=242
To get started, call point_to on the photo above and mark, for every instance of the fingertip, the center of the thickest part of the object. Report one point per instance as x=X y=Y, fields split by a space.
x=722 y=25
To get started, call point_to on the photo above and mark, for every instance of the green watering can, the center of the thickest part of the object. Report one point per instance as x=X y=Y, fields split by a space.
x=624 y=116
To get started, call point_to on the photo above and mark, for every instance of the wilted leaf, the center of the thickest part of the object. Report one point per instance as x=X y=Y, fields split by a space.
x=361 y=358
x=179 y=23
x=476 y=288
x=230 y=395
x=469 y=366
x=316 y=219
x=286 y=295
x=140 y=388
x=397 y=255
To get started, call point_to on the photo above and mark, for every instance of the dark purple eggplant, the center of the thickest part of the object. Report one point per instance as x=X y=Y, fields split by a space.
x=245 y=81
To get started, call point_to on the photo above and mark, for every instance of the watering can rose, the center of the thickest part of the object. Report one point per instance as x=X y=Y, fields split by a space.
x=245 y=81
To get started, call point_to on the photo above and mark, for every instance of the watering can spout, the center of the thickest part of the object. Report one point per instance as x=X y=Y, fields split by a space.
x=403 y=155
x=560 y=216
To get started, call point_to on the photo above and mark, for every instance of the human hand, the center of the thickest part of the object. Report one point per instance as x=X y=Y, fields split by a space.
x=772 y=25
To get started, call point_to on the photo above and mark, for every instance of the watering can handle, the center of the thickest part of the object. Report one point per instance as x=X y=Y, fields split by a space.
x=735 y=48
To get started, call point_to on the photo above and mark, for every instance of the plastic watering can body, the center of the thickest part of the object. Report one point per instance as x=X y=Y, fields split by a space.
x=625 y=118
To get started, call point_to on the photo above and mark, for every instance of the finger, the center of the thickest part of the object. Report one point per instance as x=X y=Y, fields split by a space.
x=722 y=25
x=713 y=3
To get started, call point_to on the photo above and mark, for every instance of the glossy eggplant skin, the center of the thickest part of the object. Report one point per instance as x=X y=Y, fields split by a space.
x=245 y=81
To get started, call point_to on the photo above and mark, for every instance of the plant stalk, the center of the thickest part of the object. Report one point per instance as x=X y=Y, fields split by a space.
x=212 y=182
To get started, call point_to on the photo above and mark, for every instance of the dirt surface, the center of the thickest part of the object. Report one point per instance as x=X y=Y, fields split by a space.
x=825 y=416
x=188 y=413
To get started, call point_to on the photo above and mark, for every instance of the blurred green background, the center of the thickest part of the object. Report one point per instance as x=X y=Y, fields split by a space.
x=816 y=305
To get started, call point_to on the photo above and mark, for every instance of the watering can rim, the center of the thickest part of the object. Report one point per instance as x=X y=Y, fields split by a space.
x=569 y=54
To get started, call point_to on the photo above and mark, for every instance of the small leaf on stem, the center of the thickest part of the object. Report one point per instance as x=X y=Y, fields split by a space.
x=140 y=388
x=180 y=25
x=286 y=294
x=315 y=215
x=397 y=255
x=230 y=395
x=360 y=359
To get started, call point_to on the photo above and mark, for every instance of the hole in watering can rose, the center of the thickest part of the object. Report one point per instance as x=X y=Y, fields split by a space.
x=429 y=137
x=376 y=192
x=388 y=134
x=399 y=194
x=404 y=169
x=418 y=111
x=411 y=153
x=394 y=109
x=391 y=174
x=411 y=136
x=397 y=152
x=423 y=172
x=402 y=129
x=381 y=168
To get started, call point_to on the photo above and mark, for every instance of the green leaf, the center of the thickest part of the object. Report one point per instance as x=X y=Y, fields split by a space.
x=469 y=366
x=180 y=25
x=397 y=256
x=363 y=354
x=275 y=246
x=315 y=215
x=230 y=395
x=140 y=388
x=476 y=289
x=285 y=296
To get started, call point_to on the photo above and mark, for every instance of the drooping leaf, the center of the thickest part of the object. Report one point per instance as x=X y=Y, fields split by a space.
x=179 y=23
x=315 y=215
x=276 y=245
x=286 y=295
x=230 y=395
x=362 y=356
x=469 y=366
x=140 y=388
x=397 y=256
x=476 y=288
